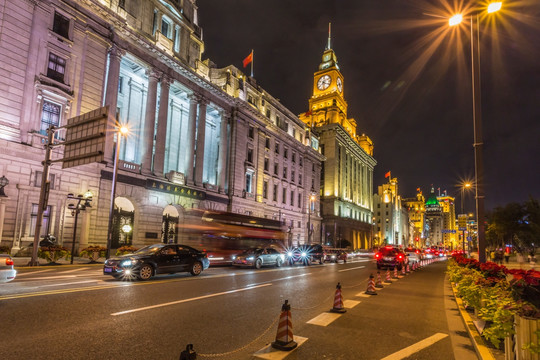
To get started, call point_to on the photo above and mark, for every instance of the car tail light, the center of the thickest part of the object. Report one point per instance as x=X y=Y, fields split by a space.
x=417 y=251
x=400 y=256
x=377 y=255
x=9 y=262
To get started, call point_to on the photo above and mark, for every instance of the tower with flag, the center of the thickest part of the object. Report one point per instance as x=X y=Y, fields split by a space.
x=249 y=60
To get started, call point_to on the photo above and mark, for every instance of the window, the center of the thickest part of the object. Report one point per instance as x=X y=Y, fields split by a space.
x=299 y=179
x=274 y=195
x=249 y=182
x=299 y=224
x=56 y=68
x=45 y=225
x=267 y=143
x=313 y=167
x=292 y=175
x=276 y=149
x=61 y=25
x=265 y=190
x=268 y=113
x=286 y=153
x=276 y=168
x=300 y=161
x=299 y=203
x=166 y=28
x=312 y=184
x=39 y=175
x=292 y=198
x=266 y=164
x=50 y=116
x=251 y=132
x=122 y=4
x=284 y=196
x=120 y=84
x=285 y=172
x=294 y=133
x=250 y=156
x=293 y=157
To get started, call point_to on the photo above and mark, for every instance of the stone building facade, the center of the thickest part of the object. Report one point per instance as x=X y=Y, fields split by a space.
x=190 y=134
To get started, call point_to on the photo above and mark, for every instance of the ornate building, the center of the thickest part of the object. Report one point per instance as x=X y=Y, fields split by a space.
x=347 y=174
x=434 y=220
x=198 y=136
x=416 y=210
x=448 y=208
x=391 y=219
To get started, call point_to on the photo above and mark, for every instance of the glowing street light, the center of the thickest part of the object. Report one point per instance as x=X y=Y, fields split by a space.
x=493 y=7
x=455 y=20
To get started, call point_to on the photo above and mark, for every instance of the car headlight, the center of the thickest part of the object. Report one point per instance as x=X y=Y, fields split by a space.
x=290 y=254
x=251 y=258
x=234 y=257
x=304 y=254
x=127 y=263
x=333 y=256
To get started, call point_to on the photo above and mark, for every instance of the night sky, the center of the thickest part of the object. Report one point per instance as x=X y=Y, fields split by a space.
x=407 y=82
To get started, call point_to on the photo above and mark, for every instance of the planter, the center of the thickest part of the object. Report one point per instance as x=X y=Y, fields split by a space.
x=517 y=346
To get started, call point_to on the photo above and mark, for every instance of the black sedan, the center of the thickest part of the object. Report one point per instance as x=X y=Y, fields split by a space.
x=157 y=259
x=259 y=257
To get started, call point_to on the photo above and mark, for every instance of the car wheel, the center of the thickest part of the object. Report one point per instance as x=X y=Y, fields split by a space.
x=321 y=261
x=146 y=272
x=196 y=268
x=258 y=264
x=279 y=262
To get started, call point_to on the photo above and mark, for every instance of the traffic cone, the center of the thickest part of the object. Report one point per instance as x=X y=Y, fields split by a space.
x=403 y=269
x=284 y=337
x=408 y=270
x=371 y=286
x=379 y=284
x=338 y=301
x=395 y=273
x=387 y=280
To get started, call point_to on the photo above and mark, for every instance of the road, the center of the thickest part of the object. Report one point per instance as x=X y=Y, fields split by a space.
x=78 y=313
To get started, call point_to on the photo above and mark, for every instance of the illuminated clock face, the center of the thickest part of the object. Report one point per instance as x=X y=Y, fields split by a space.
x=339 y=84
x=324 y=82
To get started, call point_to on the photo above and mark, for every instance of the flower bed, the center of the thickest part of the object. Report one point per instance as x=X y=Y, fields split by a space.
x=498 y=295
x=53 y=253
x=93 y=252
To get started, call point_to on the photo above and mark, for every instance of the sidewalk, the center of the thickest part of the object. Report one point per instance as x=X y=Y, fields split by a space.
x=513 y=264
x=21 y=262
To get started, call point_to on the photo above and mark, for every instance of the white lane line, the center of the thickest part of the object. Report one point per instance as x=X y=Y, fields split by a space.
x=32 y=272
x=187 y=300
x=71 y=283
x=269 y=353
x=74 y=270
x=408 y=351
x=324 y=319
x=52 y=277
x=354 y=268
x=349 y=304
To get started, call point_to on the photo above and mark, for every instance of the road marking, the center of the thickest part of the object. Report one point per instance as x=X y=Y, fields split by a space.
x=59 y=291
x=324 y=319
x=71 y=283
x=408 y=351
x=354 y=268
x=269 y=353
x=187 y=300
x=52 y=277
x=363 y=295
x=70 y=271
x=349 y=304
x=32 y=272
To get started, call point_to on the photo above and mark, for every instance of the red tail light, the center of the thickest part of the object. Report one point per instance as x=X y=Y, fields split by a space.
x=417 y=251
x=400 y=256
x=378 y=255
x=9 y=262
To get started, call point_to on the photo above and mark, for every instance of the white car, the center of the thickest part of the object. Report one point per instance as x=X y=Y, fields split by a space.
x=7 y=272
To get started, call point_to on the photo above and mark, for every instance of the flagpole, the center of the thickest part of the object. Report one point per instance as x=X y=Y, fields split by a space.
x=252 y=60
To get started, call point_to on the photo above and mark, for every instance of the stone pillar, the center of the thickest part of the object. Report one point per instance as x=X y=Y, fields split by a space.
x=2 y=215
x=149 y=122
x=223 y=148
x=201 y=131
x=161 y=135
x=190 y=154
x=111 y=98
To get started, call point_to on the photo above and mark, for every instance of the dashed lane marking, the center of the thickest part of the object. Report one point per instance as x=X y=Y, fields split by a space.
x=19 y=274
x=354 y=268
x=349 y=304
x=408 y=351
x=187 y=300
x=71 y=283
x=269 y=353
x=324 y=319
x=74 y=270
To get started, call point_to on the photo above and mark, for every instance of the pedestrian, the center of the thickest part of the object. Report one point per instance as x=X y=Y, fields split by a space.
x=492 y=255
x=506 y=257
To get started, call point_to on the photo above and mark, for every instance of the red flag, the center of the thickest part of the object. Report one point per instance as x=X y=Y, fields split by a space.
x=248 y=59
x=387 y=175
x=418 y=189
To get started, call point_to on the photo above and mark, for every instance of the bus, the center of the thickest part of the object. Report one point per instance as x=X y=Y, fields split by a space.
x=223 y=235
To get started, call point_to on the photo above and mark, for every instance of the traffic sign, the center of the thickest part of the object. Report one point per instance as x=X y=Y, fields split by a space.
x=462 y=222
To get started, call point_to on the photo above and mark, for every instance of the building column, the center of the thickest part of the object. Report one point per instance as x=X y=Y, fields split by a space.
x=111 y=99
x=161 y=135
x=149 y=122
x=223 y=148
x=190 y=154
x=201 y=131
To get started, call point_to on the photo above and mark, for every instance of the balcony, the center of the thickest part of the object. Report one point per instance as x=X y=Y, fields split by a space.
x=164 y=43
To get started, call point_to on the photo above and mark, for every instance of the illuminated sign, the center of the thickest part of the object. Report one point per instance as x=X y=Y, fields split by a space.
x=175 y=189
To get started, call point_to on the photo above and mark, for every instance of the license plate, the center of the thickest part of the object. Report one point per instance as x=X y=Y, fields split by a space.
x=108 y=270
x=388 y=258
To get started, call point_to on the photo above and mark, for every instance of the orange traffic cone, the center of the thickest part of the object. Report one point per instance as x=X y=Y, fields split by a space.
x=371 y=286
x=395 y=273
x=338 y=301
x=387 y=280
x=284 y=337
x=408 y=270
x=379 y=284
x=403 y=269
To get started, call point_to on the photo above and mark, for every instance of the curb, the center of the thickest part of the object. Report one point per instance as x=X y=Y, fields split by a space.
x=482 y=351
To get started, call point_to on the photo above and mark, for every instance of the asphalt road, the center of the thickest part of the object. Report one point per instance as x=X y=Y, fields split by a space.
x=78 y=313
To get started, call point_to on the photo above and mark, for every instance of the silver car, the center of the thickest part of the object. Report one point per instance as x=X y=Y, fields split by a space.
x=7 y=271
x=259 y=257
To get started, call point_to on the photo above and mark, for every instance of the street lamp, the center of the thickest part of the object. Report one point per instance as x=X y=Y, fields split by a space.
x=122 y=131
x=477 y=121
x=311 y=199
x=465 y=185
x=82 y=202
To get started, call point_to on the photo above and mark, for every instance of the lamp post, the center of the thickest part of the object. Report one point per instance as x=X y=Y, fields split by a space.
x=75 y=210
x=311 y=199
x=3 y=183
x=123 y=130
x=477 y=121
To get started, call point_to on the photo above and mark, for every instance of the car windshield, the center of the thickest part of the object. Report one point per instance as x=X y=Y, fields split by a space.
x=251 y=251
x=148 y=250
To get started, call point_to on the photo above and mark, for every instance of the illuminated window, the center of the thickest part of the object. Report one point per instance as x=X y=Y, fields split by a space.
x=50 y=116
x=249 y=182
x=166 y=28
x=56 y=68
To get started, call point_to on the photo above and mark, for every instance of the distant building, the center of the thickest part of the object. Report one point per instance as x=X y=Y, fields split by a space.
x=390 y=224
x=416 y=209
x=347 y=174
x=434 y=220
x=449 y=230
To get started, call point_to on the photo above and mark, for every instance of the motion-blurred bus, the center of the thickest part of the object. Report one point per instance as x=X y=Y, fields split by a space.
x=223 y=235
